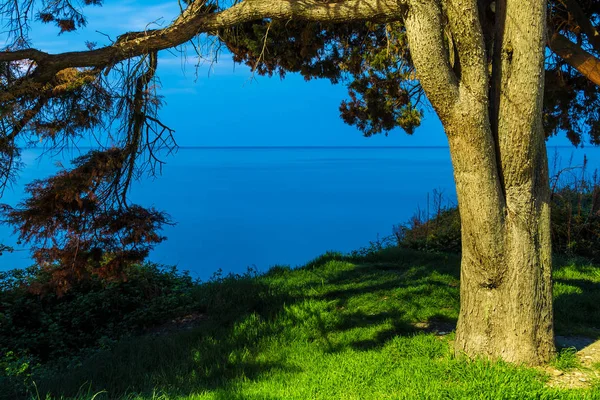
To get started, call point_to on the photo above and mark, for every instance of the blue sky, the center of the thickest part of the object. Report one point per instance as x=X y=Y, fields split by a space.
x=223 y=104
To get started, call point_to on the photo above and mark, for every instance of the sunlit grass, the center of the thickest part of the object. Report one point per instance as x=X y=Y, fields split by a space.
x=339 y=328
x=566 y=359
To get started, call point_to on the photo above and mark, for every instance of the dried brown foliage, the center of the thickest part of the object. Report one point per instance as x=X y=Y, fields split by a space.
x=111 y=91
x=75 y=227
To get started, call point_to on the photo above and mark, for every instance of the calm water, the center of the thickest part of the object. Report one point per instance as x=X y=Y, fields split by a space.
x=241 y=207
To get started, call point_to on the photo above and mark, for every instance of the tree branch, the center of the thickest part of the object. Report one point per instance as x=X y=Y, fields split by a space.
x=584 y=23
x=31 y=54
x=463 y=16
x=424 y=29
x=575 y=56
x=197 y=18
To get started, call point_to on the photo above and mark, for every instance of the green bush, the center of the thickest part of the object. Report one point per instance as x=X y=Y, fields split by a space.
x=575 y=223
x=47 y=326
x=42 y=333
x=227 y=296
x=576 y=220
x=439 y=233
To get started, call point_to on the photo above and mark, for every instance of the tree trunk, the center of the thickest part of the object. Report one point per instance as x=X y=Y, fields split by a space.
x=493 y=124
x=487 y=91
x=506 y=290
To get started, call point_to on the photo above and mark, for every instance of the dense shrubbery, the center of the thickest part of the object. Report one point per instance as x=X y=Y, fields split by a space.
x=576 y=219
x=44 y=333
x=90 y=285
x=37 y=328
x=575 y=222
x=439 y=233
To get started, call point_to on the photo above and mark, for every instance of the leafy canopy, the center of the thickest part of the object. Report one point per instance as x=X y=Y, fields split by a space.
x=82 y=218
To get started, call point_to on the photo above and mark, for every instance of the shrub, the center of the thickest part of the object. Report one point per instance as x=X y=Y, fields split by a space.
x=93 y=312
x=576 y=217
x=575 y=220
x=440 y=232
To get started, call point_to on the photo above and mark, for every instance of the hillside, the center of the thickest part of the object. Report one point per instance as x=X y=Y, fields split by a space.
x=375 y=326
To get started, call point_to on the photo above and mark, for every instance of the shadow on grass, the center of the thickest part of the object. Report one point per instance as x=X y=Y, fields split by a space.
x=397 y=327
x=320 y=302
x=576 y=299
x=255 y=323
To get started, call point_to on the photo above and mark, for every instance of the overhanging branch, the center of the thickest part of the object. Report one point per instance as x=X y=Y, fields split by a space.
x=584 y=23
x=575 y=56
x=197 y=18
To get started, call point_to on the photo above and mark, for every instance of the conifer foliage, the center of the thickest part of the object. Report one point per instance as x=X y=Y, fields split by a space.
x=482 y=73
x=76 y=226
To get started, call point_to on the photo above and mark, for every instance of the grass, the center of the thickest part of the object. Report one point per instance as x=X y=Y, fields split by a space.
x=576 y=298
x=566 y=359
x=338 y=328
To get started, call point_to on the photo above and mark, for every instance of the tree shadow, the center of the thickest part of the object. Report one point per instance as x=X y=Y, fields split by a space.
x=422 y=279
x=439 y=324
x=244 y=313
x=576 y=303
x=577 y=314
x=576 y=342
x=360 y=308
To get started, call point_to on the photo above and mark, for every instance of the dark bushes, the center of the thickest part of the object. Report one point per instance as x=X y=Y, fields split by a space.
x=576 y=218
x=440 y=232
x=575 y=221
x=91 y=314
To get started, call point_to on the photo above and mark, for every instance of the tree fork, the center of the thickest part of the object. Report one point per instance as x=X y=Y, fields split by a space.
x=495 y=136
x=500 y=168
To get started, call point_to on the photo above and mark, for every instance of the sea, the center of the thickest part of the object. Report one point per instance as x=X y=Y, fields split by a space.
x=256 y=207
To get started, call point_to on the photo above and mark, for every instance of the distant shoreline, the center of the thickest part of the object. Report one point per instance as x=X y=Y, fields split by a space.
x=305 y=147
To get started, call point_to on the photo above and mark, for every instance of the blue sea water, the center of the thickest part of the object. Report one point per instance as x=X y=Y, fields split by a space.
x=236 y=208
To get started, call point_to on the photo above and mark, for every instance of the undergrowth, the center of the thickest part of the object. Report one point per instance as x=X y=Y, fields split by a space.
x=372 y=325
x=575 y=219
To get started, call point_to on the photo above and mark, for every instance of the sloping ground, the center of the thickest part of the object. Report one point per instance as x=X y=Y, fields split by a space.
x=584 y=371
x=590 y=356
x=374 y=327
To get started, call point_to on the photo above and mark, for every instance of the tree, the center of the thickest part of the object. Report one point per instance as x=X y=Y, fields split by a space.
x=573 y=70
x=480 y=64
x=76 y=229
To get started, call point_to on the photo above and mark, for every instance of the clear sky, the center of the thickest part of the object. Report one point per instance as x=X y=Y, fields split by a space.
x=223 y=104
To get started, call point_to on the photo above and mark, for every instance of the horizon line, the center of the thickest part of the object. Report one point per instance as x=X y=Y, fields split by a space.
x=196 y=147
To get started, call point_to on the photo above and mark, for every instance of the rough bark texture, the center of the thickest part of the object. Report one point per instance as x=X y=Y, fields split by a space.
x=524 y=171
x=581 y=60
x=493 y=123
x=500 y=168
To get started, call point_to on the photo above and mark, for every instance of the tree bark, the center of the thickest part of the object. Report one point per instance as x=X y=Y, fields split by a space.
x=506 y=292
x=575 y=56
x=493 y=124
x=498 y=153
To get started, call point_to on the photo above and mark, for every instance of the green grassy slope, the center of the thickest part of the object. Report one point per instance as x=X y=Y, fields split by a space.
x=339 y=328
